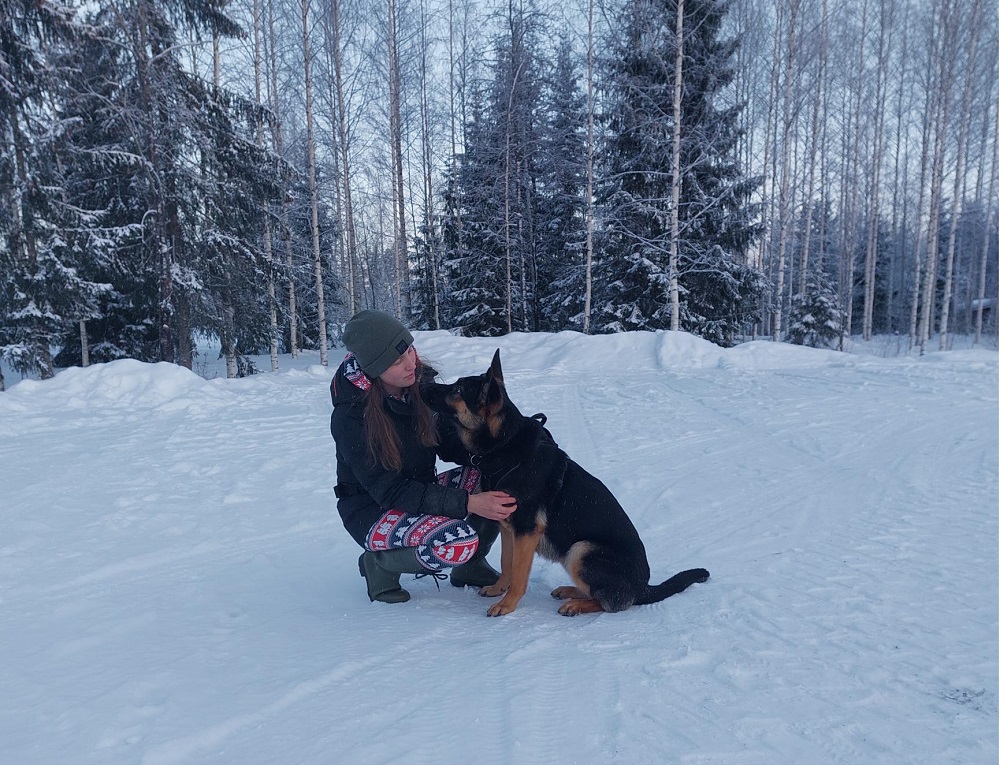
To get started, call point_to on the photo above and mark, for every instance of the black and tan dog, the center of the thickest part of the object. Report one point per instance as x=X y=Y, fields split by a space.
x=563 y=512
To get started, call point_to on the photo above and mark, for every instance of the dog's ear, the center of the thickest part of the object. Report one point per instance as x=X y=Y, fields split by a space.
x=491 y=394
x=495 y=371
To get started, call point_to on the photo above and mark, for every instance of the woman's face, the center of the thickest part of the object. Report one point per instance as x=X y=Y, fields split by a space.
x=403 y=372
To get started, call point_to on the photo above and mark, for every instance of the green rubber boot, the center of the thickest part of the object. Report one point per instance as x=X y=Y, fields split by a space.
x=381 y=573
x=476 y=572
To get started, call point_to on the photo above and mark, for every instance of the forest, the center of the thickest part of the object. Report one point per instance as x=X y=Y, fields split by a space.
x=256 y=171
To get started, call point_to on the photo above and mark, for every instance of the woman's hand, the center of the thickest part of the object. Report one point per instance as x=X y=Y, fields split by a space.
x=495 y=505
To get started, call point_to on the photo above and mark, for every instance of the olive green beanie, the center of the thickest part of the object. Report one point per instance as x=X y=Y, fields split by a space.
x=376 y=339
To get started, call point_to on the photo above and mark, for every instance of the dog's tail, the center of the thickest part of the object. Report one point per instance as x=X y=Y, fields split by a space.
x=677 y=583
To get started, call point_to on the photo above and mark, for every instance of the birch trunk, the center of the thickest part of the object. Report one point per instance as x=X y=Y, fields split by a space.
x=428 y=182
x=814 y=141
x=268 y=252
x=987 y=242
x=946 y=63
x=960 y=159
x=675 y=171
x=784 y=191
x=929 y=112
x=354 y=271
x=293 y=336
x=850 y=228
x=588 y=276
x=396 y=147
x=871 y=249
x=313 y=191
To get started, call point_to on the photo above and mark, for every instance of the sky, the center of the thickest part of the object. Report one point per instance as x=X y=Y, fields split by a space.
x=176 y=586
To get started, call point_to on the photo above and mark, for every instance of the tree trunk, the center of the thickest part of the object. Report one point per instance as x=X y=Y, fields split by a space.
x=588 y=276
x=850 y=224
x=784 y=192
x=313 y=191
x=268 y=252
x=293 y=336
x=960 y=160
x=987 y=242
x=431 y=269
x=84 y=345
x=871 y=249
x=675 y=172
x=814 y=141
x=396 y=146
x=946 y=63
x=929 y=114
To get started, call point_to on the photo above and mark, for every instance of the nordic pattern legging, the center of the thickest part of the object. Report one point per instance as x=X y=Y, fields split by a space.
x=438 y=541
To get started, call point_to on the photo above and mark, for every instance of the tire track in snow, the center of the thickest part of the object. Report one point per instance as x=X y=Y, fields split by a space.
x=184 y=749
x=150 y=564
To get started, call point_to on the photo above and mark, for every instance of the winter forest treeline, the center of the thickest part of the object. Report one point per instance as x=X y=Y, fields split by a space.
x=259 y=170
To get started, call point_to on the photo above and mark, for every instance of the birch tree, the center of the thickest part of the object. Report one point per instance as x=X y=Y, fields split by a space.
x=313 y=190
x=964 y=117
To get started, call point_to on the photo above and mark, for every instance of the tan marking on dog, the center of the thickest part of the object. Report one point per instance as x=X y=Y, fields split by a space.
x=493 y=422
x=574 y=561
x=521 y=561
x=578 y=600
x=466 y=419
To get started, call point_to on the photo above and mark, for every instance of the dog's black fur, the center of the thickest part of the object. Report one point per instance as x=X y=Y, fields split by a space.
x=563 y=512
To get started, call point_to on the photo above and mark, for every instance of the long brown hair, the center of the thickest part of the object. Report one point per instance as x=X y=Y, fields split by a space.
x=383 y=441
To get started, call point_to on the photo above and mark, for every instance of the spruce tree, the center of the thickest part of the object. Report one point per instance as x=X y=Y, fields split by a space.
x=490 y=237
x=561 y=232
x=719 y=291
x=473 y=260
x=41 y=287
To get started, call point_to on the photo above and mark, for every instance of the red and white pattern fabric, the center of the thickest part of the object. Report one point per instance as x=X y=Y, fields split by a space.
x=352 y=371
x=438 y=541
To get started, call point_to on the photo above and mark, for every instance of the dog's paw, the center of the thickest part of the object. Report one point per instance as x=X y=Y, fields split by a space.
x=493 y=590
x=579 y=606
x=500 y=609
x=567 y=592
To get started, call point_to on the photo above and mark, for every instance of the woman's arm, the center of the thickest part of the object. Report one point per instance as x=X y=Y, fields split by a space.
x=388 y=488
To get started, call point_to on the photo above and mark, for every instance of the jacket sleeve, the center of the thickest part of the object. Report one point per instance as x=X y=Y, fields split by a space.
x=388 y=488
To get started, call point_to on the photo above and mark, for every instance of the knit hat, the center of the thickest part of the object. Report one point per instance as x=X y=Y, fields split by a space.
x=376 y=339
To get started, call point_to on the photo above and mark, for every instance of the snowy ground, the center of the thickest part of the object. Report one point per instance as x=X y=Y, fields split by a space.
x=175 y=585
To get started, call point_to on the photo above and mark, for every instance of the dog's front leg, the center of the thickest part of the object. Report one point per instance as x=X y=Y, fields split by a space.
x=523 y=556
x=506 y=563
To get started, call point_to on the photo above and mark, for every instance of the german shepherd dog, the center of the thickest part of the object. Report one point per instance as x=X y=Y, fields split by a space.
x=563 y=512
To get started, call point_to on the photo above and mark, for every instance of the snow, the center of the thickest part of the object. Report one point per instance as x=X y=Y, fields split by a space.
x=176 y=586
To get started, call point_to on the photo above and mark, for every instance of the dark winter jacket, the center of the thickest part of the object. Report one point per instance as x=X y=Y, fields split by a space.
x=364 y=490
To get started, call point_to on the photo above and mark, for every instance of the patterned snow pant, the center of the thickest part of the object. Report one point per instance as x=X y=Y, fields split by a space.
x=439 y=542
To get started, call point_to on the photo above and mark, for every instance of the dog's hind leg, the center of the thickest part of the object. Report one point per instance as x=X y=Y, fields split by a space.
x=578 y=599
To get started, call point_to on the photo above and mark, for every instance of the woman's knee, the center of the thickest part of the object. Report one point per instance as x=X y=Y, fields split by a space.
x=456 y=546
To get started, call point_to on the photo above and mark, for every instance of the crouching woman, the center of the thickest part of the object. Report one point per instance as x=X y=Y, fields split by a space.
x=394 y=505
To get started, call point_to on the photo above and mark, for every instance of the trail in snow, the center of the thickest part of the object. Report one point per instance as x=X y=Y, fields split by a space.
x=175 y=585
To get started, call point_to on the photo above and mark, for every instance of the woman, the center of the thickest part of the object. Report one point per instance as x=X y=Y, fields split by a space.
x=407 y=519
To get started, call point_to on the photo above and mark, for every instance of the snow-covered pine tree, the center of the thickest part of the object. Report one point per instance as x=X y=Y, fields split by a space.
x=40 y=287
x=815 y=318
x=472 y=252
x=561 y=227
x=719 y=291
x=240 y=178
x=492 y=277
